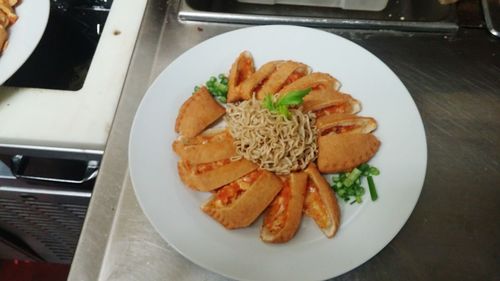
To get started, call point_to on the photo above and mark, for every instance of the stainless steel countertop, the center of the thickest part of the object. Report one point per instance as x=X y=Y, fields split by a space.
x=453 y=233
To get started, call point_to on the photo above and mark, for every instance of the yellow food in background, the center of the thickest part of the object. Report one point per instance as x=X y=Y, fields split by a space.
x=7 y=18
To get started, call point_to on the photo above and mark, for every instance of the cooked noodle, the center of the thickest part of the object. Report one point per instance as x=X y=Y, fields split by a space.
x=275 y=143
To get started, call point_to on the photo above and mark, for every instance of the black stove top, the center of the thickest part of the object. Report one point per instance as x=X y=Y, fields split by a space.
x=63 y=56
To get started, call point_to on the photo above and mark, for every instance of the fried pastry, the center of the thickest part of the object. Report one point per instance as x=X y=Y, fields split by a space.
x=197 y=113
x=4 y=20
x=320 y=203
x=315 y=81
x=6 y=7
x=241 y=69
x=284 y=74
x=332 y=104
x=3 y=38
x=7 y=18
x=247 y=87
x=345 y=124
x=344 y=152
x=283 y=216
x=239 y=203
x=209 y=176
x=205 y=148
x=323 y=98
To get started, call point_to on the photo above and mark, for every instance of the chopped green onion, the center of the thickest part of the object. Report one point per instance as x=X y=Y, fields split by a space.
x=348 y=186
x=364 y=167
x=372 y=189
x=374 y=171
x=352 y=177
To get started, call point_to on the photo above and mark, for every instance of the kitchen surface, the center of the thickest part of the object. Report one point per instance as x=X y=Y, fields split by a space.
x=56 y=112
x=446 y=55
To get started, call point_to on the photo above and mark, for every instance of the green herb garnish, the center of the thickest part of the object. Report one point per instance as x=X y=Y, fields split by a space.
x=348 y=185
x=217 y=86
x=284 y=102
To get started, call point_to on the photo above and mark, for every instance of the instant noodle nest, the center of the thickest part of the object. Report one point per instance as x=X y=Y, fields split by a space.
x=267 y=164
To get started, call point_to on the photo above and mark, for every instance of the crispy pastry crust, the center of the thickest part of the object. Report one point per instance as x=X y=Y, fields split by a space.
x=344 y=152
x=247 y=207
x=247 y=87
x=345 y=105
x=315 y=80
x=280 y=76
x=327 y=198
x=293 y=211
x=219 y=176
x=241 y=69
x=197 y=113
x=323 y=98
x=205 y=148
x=6 y=8
x=345 y=123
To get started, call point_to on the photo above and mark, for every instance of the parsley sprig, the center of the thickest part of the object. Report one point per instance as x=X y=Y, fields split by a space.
x=282 y=104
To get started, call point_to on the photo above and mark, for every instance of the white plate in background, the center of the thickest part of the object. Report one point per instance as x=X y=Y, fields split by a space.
x=174 y=211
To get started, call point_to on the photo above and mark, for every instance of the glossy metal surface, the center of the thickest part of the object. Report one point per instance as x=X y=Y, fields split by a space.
x=453 y=231
x=425 y=15
x=491 y=10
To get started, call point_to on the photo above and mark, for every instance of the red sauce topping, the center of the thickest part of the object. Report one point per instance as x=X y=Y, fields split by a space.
x=227 y=194
x=276 y=217
x=293 y=77
x=252 y=177
x=340 y=108
x=314 y=207
x=202 y=168
x=245 y=70
x=339 y=129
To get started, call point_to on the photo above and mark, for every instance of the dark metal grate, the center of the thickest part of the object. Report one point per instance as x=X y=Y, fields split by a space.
x=50 y=227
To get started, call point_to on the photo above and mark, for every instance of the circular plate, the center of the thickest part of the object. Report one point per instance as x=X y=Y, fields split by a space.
x=174 y=211
x=24 y=35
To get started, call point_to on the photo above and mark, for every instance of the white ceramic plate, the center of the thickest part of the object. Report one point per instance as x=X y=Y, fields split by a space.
x=174 y=209
x=24 y=35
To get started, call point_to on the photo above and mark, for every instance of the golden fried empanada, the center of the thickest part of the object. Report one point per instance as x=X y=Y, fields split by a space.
x=197 y=113
x=205 y=148
x=7 y=9
x=344 y=152
x=345 y=104
x=239 y=203
x=345 y=124
x=328 y=101
x=320 y=203
x=3 y=38
x=315 y=81
x=283 y=216
x=247 y=87
x=321 y=98
x=4 y=20
x=209 y=176
x=284 y=72
x=241 y=69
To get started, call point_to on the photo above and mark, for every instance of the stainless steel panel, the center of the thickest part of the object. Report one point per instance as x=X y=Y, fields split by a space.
x=491 y=10
x=426 y=15
x=44 y=194
x=453 y=231
x=48 y=222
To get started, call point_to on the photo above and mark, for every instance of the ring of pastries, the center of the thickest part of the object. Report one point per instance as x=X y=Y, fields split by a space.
x=241 y=191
